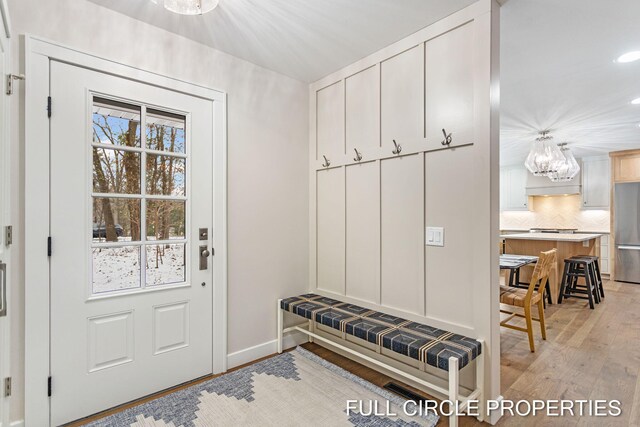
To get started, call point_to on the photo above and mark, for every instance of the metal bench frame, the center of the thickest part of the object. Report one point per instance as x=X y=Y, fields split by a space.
x=452 y=393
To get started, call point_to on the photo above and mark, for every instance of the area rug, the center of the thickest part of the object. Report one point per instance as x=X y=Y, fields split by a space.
x=296 y=388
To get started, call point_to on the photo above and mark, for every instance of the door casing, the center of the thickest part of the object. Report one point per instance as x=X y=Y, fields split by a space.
x=38 y=53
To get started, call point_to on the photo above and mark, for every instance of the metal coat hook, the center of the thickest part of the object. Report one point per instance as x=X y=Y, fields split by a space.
x=326 y=163
x=398 y=148
x=447 y=138
x=358 y=155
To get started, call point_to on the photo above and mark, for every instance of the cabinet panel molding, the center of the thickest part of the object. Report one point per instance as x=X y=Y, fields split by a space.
x=449 y=73
x=402 y=233
x=330 y=233
x=402 y=97
x=363 y=110
x=363 y=231
x=330 y=121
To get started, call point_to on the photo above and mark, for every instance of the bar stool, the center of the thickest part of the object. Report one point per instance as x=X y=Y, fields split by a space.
x=597 y=277
x=574 y=269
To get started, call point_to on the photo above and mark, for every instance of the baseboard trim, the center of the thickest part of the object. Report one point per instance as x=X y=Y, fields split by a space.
x=18 y=423
x=261 y=350
x=495 y=416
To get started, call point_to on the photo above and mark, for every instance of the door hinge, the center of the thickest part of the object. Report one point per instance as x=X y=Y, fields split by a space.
x=49 y=106
x=10 y=79
x=49 y=246
x=8 y=235
x=7 y=387
x=49 y=387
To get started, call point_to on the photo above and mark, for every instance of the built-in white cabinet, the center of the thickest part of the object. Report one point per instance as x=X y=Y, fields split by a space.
x=513 y=193
x=596 y=182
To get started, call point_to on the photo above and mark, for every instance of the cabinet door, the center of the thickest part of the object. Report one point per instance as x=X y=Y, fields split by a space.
x=449 y=74
x=402 y=97
x=363 y=231
x=596 y=183
x=330 y=121
x=627 y=168
x=518 y=199
x=402 y=233
x=330 y=230
x=363 y=110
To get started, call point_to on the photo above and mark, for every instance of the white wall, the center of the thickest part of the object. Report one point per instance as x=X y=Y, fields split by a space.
x=267 y=159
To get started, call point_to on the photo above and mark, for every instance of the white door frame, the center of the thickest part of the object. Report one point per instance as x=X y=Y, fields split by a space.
x=38 y=53
x=5 y=209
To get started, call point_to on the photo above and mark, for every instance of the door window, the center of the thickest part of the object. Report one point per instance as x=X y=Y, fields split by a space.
x=139 y=216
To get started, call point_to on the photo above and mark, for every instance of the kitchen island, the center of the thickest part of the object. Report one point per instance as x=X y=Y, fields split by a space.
x=568 y=245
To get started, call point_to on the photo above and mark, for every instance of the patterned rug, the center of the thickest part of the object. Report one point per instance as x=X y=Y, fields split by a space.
x=292 y=389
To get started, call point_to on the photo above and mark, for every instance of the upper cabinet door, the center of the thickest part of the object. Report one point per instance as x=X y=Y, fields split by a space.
x=449 y=87
x=330 y=121
x=596 y=183
x=402 y=97
x=363 y=110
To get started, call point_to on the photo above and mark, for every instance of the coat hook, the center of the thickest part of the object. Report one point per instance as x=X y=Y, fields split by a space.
x=398 y=148
x=447 y=138
x=326 y=163
x=358 y=155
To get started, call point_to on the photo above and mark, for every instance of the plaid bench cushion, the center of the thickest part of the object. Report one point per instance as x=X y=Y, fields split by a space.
x=430 y=345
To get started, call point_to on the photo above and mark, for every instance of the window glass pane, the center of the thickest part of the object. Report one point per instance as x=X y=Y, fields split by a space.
x=116 y=268
x=165 y=264
x=165 y=219
x=165 y=131
x=116 y=220
x=116 y=123
x=165 y=175
x=116 y=171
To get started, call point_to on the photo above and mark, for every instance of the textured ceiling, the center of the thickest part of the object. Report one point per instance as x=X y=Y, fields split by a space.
x=304 y=39
x=558 y=72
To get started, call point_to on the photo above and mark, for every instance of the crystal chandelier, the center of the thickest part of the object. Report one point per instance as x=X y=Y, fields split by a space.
x=568 y=169
x=545 y=156
x=189 y=7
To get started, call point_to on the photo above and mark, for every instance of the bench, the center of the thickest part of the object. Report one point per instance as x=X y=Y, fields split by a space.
x=428 y=345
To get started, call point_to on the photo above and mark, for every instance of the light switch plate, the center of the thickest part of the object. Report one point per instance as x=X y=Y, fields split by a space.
x=434 y=236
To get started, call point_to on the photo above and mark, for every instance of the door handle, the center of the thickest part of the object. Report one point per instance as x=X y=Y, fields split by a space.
x=204 y=257
x=630 y=248
x=3 y=289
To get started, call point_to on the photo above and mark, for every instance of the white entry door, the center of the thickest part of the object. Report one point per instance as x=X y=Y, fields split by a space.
x=131 y=229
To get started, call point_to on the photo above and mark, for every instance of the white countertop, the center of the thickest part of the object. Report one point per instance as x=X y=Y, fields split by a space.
x=557 y=237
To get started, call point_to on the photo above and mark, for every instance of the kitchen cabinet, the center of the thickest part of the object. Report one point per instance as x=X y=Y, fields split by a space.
x=513 y=183
x=596 y=182
x=626 y=165
x=604 y=254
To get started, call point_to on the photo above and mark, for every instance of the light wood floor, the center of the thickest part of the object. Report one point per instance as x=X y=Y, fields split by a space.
x=588 y=354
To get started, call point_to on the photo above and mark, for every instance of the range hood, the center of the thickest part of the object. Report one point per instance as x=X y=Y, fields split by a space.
x=543 y=186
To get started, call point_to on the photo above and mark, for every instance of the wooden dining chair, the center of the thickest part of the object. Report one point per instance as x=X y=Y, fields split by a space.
x=530 y=297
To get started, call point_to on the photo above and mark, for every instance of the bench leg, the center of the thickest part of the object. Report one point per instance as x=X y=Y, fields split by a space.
x=280 y=323
x=480 y=381
x=311 y=329
x=454 y=377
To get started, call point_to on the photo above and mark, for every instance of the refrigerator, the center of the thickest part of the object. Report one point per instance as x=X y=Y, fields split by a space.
x=627 y=231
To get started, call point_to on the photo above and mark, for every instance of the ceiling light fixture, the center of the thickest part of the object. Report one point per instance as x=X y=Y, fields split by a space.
x=545 y=156
x=636 y=101
x=568 y=169
x=189 y=7
x=629 y=57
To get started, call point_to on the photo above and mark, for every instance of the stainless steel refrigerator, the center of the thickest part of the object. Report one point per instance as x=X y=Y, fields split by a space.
x=627 y=231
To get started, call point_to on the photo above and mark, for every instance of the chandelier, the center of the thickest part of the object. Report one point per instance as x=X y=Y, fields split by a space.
x=568 y=169
x=189 y=7
x=545 y=157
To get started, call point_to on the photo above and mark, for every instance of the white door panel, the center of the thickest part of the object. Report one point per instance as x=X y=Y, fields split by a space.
x=129 y=316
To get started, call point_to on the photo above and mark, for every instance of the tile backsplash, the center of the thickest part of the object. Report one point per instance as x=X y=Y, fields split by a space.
x=556 y=212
